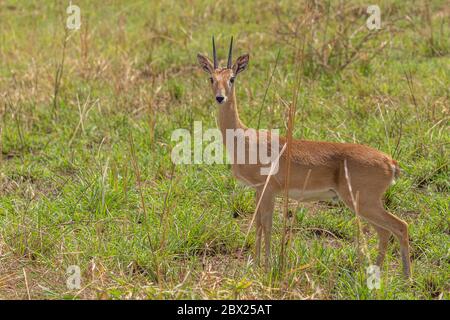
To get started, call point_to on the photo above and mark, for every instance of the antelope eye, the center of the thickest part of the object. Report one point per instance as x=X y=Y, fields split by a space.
x=211 y=80
x=232 y=80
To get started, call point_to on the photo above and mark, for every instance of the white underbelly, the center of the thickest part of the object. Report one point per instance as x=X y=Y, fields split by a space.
x=296 y=194
x=312 y=195
x=247 y=182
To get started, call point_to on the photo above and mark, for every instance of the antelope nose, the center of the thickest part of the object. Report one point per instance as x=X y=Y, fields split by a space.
x=219 y=99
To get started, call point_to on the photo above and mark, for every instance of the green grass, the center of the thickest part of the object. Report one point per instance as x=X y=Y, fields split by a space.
x=70 y=193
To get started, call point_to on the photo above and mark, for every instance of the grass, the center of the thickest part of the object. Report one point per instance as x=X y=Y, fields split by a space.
x=86 y=119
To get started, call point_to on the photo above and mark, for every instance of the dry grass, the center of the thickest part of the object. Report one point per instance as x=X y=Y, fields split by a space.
x=86 y=118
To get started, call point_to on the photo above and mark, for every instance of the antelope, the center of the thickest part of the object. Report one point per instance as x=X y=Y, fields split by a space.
x=319 y=170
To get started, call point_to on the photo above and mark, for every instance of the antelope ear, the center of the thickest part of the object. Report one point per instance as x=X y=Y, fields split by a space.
x=205 y=63
x=241 y=63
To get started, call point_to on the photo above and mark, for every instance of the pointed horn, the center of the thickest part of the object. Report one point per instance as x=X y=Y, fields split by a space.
x=214 y=53
x=230 y=54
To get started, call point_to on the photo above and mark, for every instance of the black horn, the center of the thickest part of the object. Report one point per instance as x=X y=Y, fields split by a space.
x=214 y=53
x=230 y=54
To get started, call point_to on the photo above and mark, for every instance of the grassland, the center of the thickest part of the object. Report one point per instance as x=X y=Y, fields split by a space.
x=86 y=176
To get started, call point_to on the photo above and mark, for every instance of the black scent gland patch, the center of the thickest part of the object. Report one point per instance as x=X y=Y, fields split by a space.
x=290 y=214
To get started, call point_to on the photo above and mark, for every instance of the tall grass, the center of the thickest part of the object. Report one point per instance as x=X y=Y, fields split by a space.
x=85 y=172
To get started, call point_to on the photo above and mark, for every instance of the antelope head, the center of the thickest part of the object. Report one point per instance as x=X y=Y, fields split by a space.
x=222 y=79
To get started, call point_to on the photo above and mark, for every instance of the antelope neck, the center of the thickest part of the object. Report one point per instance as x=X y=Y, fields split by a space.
x=229 y=116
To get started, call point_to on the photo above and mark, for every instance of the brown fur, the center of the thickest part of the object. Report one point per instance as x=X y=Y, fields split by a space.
x=370 y=172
